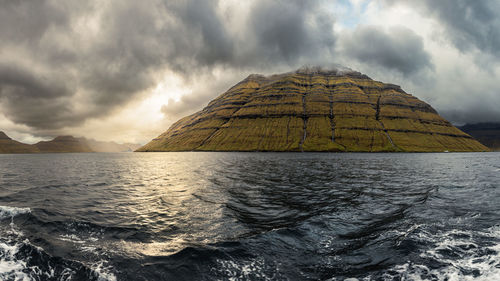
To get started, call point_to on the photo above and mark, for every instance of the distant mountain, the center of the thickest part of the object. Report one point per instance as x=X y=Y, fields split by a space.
x=63 y=144
x=314 y=110
x=486 y=133
x=101 y=146
x=8 y=145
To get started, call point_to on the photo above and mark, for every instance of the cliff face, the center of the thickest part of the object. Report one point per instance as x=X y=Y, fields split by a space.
x=486 y=133
x=8 y=145
x=314 y=110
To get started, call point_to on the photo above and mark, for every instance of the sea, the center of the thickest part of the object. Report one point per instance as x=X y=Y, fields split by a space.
x=250 y=216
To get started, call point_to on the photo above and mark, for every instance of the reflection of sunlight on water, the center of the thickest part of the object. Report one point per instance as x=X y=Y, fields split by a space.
x=166 y=203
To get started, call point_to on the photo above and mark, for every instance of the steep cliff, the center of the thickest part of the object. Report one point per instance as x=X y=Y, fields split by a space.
x=314 y=110
x=8 y=145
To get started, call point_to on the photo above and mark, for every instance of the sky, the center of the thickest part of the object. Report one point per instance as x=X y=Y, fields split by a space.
x=125 y=70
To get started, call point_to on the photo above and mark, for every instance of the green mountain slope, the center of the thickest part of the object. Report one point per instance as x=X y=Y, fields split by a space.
x=314 y=110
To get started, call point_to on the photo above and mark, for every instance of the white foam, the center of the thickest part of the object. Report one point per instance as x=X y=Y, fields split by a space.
x=486 y=267
x=10 y=267
x=103 y=271
x=244 y=270
x=85 y=245
x=10 y=212
x=14 y=269
x=71 y=238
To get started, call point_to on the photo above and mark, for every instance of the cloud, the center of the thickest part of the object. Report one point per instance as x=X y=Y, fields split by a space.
x=463 y=40
x=468 y=24
x=290 y=31
x=68 y=66
x=398 y=49
x=63 y=64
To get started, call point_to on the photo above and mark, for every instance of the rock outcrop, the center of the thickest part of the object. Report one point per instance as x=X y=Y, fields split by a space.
x=8 y=145
x=486 y=133
x=314 y=110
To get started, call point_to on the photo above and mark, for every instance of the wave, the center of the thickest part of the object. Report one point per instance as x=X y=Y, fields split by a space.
x=23 y=261
x=461 y=255
x=10 y=212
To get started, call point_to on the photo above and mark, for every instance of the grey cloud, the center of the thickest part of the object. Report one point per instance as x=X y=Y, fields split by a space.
x=277 y=36
x=468 y=23
x=217 y=44
x=48 y=61
x=467 y=93
x=24 y=83
x=200 y=96
x=196 y=37
x=398 y=49
x=177 y=109
x=275 y=33
x=33 y=99
x=291 y=30
x=471 y=116
x=28 y=20
x=64 y=63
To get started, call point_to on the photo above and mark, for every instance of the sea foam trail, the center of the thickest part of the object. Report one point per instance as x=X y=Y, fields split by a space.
x=473 y=264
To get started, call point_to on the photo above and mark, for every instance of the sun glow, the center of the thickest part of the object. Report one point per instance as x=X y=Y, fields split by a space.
x=170 y=89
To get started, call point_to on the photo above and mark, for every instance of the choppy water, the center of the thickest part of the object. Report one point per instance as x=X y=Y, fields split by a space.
x=250 y=216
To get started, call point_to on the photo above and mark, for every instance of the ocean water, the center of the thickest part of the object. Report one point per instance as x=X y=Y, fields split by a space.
x=250 y=216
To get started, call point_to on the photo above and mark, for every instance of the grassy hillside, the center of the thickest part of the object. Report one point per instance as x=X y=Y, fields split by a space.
x=314 y=110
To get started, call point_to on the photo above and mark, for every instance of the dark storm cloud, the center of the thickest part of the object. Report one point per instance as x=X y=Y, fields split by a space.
x=53 y=73
x=200 y=18
x=24 y=83
x=32 y=99
x=275 y=33
x=398 y=49
x=196 y=37
x=291 y=30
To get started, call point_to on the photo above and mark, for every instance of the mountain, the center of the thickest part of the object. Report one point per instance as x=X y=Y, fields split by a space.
x=487 y=133
x=101 y=146
x=8 y=145
x=64 y=144
x=72 y=144
x=314 y=110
